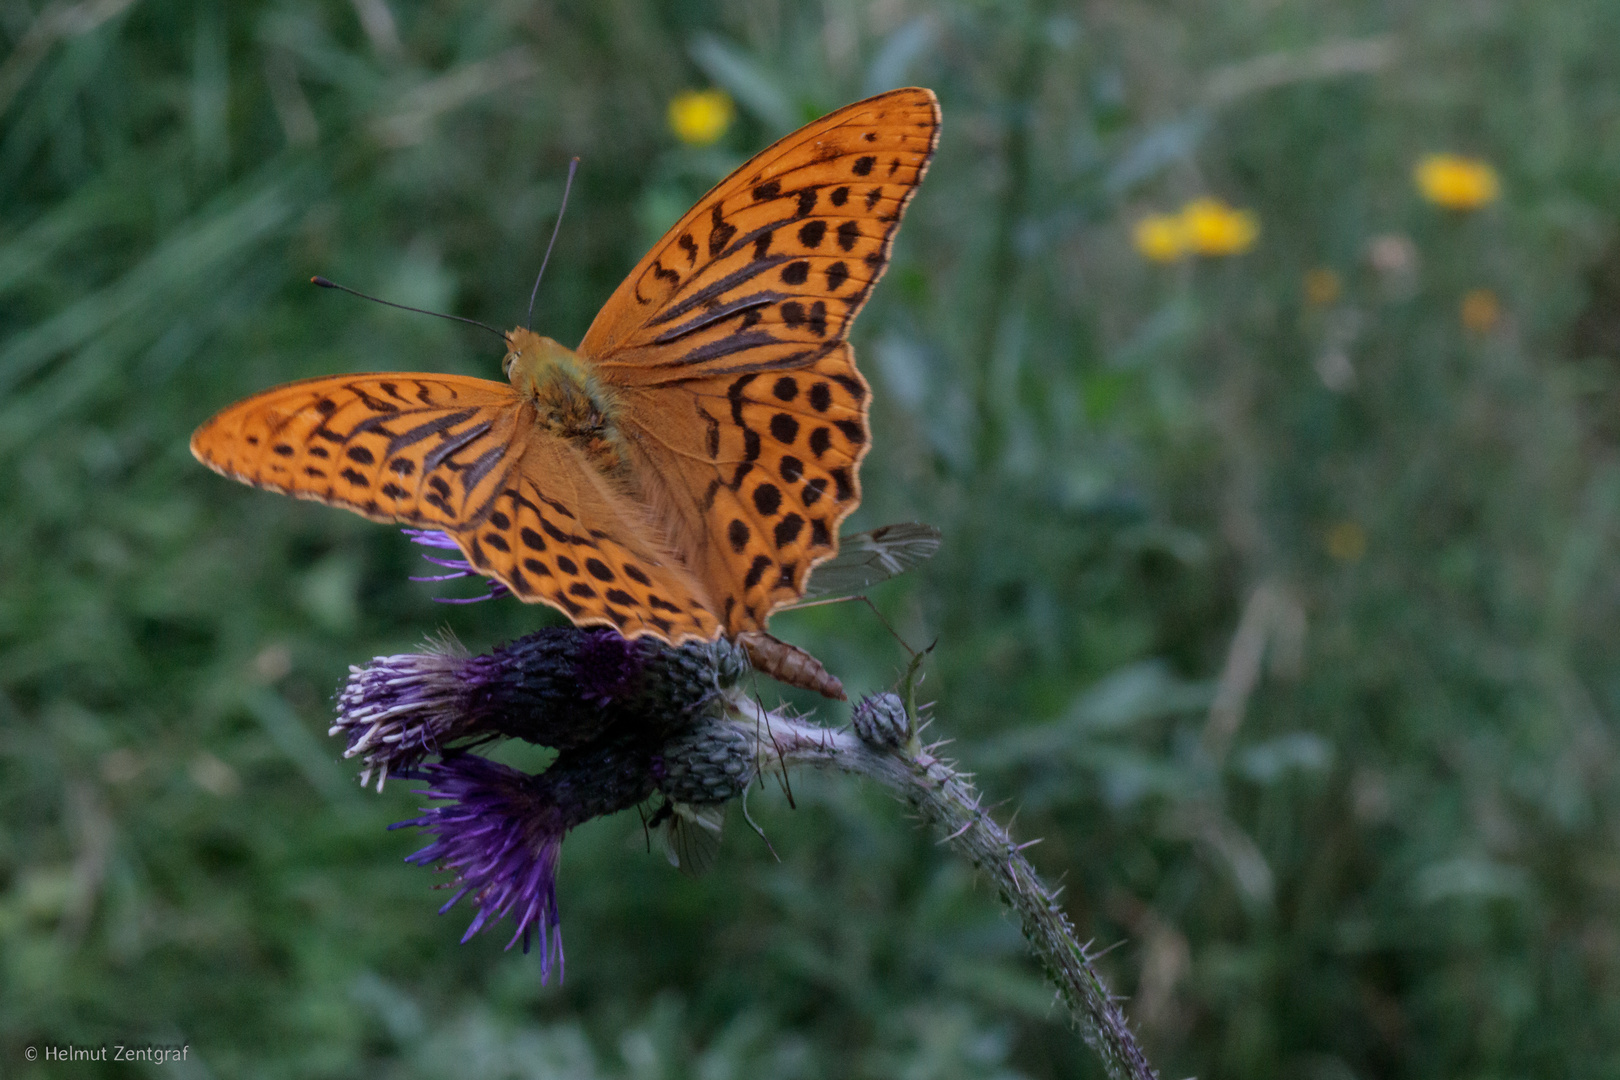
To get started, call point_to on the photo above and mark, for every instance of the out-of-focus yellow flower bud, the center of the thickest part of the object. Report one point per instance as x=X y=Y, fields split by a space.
x=700 y=117
x=1456 y=183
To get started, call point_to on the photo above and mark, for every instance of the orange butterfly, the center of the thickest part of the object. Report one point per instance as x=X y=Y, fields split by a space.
x=680 y=473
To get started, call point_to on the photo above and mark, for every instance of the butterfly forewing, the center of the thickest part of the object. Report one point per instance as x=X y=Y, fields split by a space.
x=775 y=262
x=422 y=449
x=727 y=341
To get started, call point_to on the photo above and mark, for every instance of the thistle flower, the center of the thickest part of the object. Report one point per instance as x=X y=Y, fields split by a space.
x=501 y=831
x=710 y=762
x=674 y=725
x=562 y=687
x=880 y=720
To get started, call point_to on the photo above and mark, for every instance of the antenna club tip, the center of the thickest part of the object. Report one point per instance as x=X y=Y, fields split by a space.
x=322 y=282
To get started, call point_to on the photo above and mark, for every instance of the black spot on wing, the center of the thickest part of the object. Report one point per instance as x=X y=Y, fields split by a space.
x=767 y=499
x=756 y=571
x=818 y=318
x=787 y=530
x=721 y=233
x=784 y=429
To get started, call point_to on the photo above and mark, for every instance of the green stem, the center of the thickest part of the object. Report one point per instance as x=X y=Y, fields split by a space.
x=944 y=797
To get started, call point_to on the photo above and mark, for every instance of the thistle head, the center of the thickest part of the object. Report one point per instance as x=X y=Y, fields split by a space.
x=562 y=687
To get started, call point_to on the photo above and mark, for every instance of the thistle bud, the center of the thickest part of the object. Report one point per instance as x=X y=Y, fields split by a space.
x=881 y=722
x=710 y=763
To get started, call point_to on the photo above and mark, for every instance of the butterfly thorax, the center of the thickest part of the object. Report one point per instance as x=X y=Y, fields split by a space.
x=568 y=400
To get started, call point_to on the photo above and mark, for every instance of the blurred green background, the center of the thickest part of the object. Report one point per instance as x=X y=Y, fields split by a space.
x=1278 y=589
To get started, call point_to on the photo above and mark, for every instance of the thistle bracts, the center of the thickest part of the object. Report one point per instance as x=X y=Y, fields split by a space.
x=713 y=761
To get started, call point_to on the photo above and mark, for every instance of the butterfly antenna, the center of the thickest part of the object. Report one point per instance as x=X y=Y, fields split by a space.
x=325 y=284
x=573 y=167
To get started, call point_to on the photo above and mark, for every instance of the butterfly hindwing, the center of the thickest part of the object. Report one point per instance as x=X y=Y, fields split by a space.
x=557 y=534
x=762 y=475
x=422 y=449
x=775 y=261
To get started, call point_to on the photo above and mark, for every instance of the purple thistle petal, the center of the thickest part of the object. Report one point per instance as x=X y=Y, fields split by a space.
x=499 y=831
x=501 y=836
x=433 y=538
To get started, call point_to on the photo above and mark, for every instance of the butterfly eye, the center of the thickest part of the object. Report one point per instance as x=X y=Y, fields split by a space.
x=506 y=364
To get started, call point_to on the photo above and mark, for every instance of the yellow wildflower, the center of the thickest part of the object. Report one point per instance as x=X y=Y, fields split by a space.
x=1213 y=228
x=1346 y=541
x=1204 y=226
x=1481 y=311
x=1160 y=238
x=700 y=117
x=1456 y=183
x=1322 y=287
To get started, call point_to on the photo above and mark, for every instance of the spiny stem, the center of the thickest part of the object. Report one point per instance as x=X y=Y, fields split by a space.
x=944 y=798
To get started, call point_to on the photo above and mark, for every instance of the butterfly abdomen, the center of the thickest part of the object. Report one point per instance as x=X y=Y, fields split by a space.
x=789 y=664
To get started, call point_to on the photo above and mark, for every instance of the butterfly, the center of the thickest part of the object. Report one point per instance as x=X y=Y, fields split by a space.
x=679 y=474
